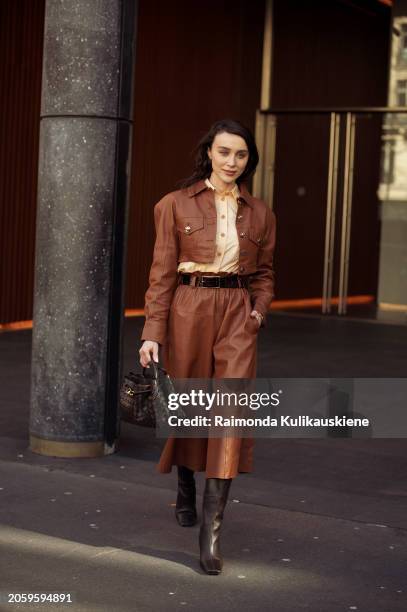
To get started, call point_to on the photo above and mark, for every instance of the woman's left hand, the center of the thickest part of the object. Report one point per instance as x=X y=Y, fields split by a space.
x=256 y=315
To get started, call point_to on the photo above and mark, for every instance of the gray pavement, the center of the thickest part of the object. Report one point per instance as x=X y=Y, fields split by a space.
x=320 y=525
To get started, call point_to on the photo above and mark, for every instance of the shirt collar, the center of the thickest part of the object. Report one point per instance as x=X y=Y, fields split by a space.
x=200 y=185
x=234 y=192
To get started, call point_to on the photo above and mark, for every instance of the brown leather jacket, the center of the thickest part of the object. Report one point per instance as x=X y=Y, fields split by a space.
x=185 y=223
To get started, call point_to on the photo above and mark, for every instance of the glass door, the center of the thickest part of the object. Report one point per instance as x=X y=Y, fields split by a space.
x=337 y=180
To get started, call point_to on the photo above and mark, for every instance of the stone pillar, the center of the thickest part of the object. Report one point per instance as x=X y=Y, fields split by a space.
x=83 y=183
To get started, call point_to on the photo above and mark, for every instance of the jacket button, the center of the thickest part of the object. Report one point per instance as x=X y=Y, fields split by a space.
x=239 y=216
x=241 y=268
x=242 y=234
x=258 y=239
x=187 y=228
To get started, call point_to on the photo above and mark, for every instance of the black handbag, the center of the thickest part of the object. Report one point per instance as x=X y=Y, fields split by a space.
x=144 y=397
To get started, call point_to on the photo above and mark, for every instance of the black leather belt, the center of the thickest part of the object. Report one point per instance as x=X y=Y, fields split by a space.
x=231 y=281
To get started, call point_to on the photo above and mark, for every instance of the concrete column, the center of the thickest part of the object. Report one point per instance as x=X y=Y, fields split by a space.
x=84 y=165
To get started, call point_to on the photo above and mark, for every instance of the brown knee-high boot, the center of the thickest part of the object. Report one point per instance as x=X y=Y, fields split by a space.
x=214 y=502
x=185 y=507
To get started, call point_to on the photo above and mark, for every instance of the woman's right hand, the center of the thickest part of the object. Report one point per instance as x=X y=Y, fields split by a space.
x=148 y=348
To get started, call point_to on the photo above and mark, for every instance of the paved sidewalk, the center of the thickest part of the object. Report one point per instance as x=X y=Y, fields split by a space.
x=104 y=531
x=321 y=525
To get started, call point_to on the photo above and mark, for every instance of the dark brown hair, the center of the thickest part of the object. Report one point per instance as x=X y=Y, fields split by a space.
x=203 y=165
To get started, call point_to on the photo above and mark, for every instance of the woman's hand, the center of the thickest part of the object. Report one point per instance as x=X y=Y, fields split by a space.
x=148 y=347
x=257 y=316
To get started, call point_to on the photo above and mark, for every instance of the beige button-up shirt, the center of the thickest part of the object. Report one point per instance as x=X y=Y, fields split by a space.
x=227 y=242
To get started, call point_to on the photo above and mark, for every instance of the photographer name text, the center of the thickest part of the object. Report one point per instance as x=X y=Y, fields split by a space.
x=268 y=421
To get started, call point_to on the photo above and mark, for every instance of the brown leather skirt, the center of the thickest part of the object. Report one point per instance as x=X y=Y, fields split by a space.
x=210 y=335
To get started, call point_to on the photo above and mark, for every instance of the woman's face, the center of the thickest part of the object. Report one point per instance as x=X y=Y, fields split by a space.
x=229 y=155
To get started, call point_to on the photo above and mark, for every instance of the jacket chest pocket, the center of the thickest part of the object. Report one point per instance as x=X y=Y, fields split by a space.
x=190 y=232
x=187 y=226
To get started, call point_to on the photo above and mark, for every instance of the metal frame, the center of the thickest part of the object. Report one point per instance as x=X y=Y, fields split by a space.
x=346 y=212
x=330 y=213
x=263 y=181
x=260 y=136
x=267 y=59
x=265 y=165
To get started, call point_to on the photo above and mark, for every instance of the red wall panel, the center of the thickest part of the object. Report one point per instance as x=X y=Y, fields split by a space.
x=21 y=35
x=196 y=64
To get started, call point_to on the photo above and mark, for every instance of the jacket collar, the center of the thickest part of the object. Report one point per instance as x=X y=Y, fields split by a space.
x=201 y=185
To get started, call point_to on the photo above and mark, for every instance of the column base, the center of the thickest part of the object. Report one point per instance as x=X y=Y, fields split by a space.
x=54 y=448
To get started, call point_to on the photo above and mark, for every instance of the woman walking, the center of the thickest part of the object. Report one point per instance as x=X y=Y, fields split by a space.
x=211 y=283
